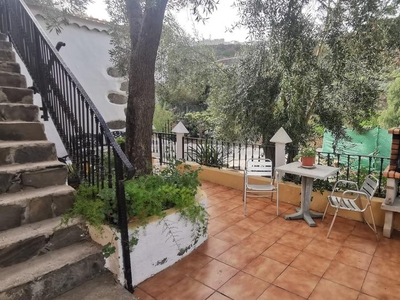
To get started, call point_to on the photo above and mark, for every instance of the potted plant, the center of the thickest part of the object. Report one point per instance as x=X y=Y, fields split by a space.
x=307 y=156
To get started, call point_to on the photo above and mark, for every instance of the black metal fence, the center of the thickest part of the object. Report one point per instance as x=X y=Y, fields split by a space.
x=88 y=140
x=357 y=167
x=215 y=153
x=163 y=146
x=231 y=155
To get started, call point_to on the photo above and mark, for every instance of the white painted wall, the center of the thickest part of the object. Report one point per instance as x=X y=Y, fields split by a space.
x=156 y=250
x=86 y=54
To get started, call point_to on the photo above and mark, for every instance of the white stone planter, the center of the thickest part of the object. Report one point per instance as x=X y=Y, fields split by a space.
x=161 y=243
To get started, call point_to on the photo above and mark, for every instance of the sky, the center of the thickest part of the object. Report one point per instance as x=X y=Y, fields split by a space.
x=214 y=28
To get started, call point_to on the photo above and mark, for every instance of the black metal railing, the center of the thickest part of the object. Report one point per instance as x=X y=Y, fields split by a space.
x=357 y=167
x=86 y=137
x=233 y=155
x=222 y=154
x=163 y=145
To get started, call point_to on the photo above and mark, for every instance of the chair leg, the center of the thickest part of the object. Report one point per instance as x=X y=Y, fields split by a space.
x=333 y=221
x=373 y=227
x=277 y=202
x=326 y=209
x=244 y=201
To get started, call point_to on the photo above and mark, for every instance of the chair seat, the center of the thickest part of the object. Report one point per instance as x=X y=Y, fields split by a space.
x=346 y=204
x=261 y=187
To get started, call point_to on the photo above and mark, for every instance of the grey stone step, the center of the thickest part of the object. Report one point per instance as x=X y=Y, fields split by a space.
x=36 y=205
x=22 y=152
x=19 y=112
x=12 y=79
x=22 y=131
x=14 y=178
x=103 y=287
x=22 y=243
x=4 y=45
x=12 y=67
x=16 y=95
x=7 y=55
x=3 y=37
x=50 y=275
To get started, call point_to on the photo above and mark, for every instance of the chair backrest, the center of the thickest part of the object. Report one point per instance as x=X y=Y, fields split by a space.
x=259 y=167
x=370 y=185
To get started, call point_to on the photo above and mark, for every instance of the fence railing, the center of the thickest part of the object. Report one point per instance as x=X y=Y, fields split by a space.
x=90 y=145
x=231 y=155
x=215 y=153
x=357 y=167
x=163 y=145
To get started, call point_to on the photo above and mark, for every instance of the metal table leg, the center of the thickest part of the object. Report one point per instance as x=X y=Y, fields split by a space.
x=304 y=211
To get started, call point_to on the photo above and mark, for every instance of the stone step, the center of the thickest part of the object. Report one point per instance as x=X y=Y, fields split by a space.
x=12 y=67
x=12 y=79
x=4 y=45
x=16 y=95
x=103 y=287
x=50 y=275
x=25 y=242
x=36 y=205
x=14 y=178
x=3 y=37
x=22 y=152
x=22 y=131
x=19 y=112
x=7 y=55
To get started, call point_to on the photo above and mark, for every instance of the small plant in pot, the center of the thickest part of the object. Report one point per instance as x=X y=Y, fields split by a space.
x=307 y=156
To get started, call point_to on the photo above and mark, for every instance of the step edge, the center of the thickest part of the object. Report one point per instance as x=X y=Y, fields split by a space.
x=20 y=274
x=26 y=195
x=50 y=164
x=27 y=231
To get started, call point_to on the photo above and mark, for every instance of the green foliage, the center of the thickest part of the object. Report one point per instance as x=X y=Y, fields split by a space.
x=93 y=209
x=226 y=51
x=208 y=154
x=120 y=140
x=161 y=116
x=308 y=152
x=150 y=195
x=184 y=66
x=57 y=12
x=108 y=250
x=308 y=70
x=391 y=117
x=198 y=124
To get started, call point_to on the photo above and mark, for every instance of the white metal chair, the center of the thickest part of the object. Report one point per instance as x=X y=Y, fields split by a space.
x=357 y=200
x=258 y=167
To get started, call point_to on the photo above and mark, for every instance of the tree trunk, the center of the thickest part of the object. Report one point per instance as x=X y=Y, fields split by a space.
x=141 y=98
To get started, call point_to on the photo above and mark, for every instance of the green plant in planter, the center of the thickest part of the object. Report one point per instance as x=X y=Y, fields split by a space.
x=172 y=187
x=209 y=155
x=73 y=177
x=308 y=152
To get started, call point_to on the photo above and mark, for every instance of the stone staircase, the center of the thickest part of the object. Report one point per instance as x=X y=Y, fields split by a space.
x=39 y=258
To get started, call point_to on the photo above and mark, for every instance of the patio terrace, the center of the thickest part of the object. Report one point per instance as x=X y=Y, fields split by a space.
x=263 y=256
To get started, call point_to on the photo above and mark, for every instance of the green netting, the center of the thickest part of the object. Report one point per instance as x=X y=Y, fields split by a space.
x=375 y=142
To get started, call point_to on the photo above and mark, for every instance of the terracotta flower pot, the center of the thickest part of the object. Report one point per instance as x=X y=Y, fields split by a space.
x=308 y=161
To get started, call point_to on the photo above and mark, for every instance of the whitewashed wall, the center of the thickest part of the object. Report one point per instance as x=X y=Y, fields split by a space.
x=86 y=54
x=156 y=250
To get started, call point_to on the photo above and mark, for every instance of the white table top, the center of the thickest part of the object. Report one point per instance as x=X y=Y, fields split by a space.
x=319 y=172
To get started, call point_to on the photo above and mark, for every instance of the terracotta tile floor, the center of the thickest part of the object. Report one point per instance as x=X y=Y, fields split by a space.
x=263 y=256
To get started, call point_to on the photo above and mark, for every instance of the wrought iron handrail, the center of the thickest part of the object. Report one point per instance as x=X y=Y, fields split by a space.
x=85 y=135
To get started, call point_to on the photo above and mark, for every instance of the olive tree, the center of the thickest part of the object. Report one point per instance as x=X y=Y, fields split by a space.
x=315 y=64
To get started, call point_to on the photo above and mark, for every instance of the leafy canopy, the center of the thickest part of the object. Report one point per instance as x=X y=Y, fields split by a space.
x=316 y=63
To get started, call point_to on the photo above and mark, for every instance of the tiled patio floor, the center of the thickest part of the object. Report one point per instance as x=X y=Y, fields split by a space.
x=266 y=257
